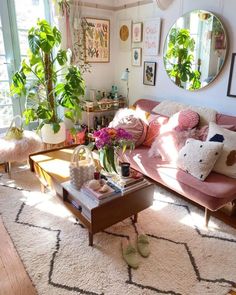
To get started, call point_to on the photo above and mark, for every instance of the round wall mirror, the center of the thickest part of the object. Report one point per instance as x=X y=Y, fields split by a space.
x=195 y=50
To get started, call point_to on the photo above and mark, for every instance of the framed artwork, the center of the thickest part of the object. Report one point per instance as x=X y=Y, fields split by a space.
x=149 y=73
x=232 y=78
x=125 y=35
x=136 y=56
x=97 y=40
x=151 y=44
x=137 y=32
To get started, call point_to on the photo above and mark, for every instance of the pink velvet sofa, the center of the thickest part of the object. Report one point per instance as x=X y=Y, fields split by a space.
x=213 y=193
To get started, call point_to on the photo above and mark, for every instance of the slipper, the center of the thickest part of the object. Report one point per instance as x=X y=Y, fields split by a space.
x=143 y=245
x=130 y=255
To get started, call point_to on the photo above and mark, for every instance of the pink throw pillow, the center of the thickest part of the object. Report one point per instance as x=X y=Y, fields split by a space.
x=184 y=120
x=156 y=121
x=168 y=144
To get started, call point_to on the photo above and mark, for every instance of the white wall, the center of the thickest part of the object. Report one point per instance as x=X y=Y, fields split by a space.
x=212 y=96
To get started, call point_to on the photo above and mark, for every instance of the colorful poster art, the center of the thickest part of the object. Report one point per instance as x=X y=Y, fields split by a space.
x=152 y=37
x=97 y=40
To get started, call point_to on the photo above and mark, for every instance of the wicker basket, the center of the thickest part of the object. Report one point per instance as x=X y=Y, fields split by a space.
x=82 y=166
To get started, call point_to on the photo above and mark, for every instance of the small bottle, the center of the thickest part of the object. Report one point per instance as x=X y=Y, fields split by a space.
x=103 y=121
x=95 y=123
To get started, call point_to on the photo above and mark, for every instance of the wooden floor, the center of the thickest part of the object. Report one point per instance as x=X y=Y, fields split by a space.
x=13 y=278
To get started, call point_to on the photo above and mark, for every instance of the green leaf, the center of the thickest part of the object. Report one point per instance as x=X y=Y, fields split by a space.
x=70 y=115
x=43 y=112
x=57 y=35
x=55 y=127
x=30 y=115
x=111 y=158
x=61 y=57
x=34 y=43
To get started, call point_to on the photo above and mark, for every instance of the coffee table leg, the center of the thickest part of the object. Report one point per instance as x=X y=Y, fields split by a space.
x=135 y=217
x=90 y=239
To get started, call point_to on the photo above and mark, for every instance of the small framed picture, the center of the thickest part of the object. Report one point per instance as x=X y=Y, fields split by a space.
x=136 y=56
x=149 y=73
x=232 y=77
x=137 y=32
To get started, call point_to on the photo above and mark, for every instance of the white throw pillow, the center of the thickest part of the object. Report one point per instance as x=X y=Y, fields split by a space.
x=206 y=115
x=226 y=164
x=169 y=108
x=198 y=158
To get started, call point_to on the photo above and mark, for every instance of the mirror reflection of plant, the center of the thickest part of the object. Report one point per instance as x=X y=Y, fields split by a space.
x=179 y=59
x=47 y=80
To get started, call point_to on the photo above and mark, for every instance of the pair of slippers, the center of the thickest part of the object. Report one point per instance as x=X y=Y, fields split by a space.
x=130 y=254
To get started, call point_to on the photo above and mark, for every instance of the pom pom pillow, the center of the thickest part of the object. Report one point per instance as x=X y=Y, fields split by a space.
x=184 y=120
x=198 y=158
x=133 y=122
x=226 y=164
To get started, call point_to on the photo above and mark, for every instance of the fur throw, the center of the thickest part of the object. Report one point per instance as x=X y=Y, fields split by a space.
x=19 y=150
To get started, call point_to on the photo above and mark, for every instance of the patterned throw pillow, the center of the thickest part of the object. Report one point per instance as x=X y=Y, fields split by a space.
x=198 y=158
x=156 y=121
x=132 y=121
x=226 y=164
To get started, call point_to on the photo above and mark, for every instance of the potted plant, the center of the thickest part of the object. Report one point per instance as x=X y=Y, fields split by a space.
x=47 y=80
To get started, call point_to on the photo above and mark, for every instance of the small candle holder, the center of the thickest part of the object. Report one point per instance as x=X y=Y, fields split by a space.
x=125 y=169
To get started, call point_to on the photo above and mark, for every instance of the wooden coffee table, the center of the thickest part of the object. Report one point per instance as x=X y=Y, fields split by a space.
x=52 y=169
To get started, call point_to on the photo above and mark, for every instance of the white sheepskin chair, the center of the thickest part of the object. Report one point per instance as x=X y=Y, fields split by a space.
x=19 y=150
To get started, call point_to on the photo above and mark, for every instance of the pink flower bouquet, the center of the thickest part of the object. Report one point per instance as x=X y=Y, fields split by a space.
x=108 y=141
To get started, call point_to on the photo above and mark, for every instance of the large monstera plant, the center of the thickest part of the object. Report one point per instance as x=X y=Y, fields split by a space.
x=47 y=80
x=179 y=59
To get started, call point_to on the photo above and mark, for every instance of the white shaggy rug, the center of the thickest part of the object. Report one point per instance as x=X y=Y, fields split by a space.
x=185 y=257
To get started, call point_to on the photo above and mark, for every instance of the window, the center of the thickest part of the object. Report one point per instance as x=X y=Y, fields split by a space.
x=16 y=18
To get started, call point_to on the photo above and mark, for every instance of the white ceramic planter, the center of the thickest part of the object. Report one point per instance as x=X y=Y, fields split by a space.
x=48 y=135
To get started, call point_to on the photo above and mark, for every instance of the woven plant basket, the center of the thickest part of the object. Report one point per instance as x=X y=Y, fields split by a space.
x=82 y=166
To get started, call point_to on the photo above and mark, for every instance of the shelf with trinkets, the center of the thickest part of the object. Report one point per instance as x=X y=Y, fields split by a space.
x=97 y=115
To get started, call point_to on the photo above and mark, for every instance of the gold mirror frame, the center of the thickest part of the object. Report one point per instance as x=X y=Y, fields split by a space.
x=195 y=50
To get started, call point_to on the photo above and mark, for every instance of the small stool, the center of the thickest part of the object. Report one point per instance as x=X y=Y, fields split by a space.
x=19 y=150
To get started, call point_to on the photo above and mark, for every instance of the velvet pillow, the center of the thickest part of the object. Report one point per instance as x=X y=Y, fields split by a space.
x=132 y=121
x=198 y=158
x=155 y=123
x=226 y=164
x=168 y=144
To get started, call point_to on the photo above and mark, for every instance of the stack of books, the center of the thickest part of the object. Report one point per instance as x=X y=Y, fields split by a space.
x=99 y=197
x=128 y=184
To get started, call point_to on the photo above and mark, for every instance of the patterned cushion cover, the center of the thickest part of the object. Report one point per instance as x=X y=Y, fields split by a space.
x=198 y=158
x=226 y=164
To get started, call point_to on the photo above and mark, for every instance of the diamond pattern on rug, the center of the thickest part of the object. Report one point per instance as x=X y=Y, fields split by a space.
x=53 y=246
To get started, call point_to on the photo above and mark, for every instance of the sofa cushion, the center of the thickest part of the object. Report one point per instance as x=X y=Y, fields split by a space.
x=212 y=193
x=168 y=143
x=183 y=120
x=226 y=164
x=155 y=123
x=187 y=119
x=198 y=158
x=132 y=121
x=203 y=131
x=168 y=108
